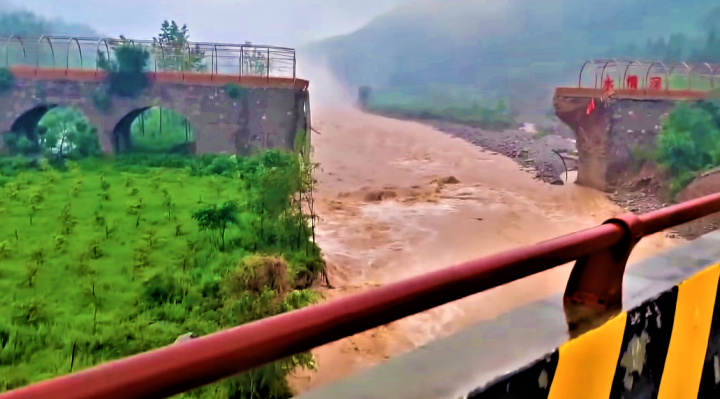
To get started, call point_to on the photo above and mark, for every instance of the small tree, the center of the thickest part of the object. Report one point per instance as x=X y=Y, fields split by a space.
x=31 y=271
x=60 y=241
x=141 y=260
x=150 y=238
x=128 y=180
x=169 y=205
x=217 y=218
x=92 y=296
x=78 y=183
x=67 y=220
x=5 y=250
x=34 y=209
x=110 y=229
x=94 y=249
x=136 y=208
x=104 y=197
x=173 y=47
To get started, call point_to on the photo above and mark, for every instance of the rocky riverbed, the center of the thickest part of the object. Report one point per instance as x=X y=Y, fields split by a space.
x=541 y=153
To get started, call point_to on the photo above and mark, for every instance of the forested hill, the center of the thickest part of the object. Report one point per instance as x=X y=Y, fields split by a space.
x=26 y=23
x=494 y=43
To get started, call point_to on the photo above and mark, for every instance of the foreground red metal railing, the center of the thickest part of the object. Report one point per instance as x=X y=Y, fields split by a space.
x=177 y=368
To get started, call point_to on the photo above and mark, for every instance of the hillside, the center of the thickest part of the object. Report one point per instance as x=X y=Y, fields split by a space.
x=500 y=45
x=26 y=23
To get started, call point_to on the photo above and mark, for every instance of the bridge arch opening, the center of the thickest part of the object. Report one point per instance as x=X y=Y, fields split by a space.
x=154 y=130
x=52 y=130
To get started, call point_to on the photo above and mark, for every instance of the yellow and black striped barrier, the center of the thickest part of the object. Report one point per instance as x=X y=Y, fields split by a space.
x=666 y=348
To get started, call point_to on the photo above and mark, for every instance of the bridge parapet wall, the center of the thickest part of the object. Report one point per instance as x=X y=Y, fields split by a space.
x=666 y=341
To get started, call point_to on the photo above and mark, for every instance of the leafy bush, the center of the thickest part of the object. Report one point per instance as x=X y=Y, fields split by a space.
x=689 y=143
x=689 y=140
x=11 y=166
x=234 y=91
x=126 y=75
x=7 y=80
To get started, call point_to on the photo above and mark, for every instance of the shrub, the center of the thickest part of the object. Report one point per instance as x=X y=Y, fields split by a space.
x=127 y=75
x=234 y=91
x=10 y=140
x=7 y=80
x=256 y=274
x=161 y=289
x=11 y=166
x=689 y=140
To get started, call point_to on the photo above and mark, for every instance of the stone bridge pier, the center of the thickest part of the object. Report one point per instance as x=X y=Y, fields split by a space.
x=610 y=134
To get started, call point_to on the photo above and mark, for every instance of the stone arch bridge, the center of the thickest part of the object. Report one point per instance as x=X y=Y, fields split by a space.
x=268 y=114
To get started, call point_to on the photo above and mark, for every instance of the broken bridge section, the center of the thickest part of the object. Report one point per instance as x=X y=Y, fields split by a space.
x=268 y=114
x=617 y=109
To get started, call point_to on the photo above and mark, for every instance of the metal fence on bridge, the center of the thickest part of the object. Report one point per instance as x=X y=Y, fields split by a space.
x=679 y=75
x=593 y=290
x=66 y=52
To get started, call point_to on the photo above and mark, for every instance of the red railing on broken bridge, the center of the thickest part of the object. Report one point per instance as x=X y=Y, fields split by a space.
x=594 y=287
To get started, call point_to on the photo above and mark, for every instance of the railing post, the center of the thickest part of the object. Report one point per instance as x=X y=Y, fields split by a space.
x=594 y=289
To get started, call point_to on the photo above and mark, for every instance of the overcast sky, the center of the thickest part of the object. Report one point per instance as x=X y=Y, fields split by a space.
x=276 y=22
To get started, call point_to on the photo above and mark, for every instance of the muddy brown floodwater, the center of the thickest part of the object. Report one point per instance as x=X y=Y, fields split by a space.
x=384 y=218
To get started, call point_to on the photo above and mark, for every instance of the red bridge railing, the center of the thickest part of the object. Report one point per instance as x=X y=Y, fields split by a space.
x=594 y=287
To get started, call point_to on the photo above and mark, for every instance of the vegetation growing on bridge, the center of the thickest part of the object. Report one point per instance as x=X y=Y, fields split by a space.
x=176 y=55
x=127 y=73
x=103 y=259
x=234 y=91
x=7 y=80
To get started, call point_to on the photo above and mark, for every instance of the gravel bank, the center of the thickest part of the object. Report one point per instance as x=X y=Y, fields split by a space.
x=531 y=150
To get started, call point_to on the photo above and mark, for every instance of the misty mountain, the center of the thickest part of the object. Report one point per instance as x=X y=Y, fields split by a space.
x=26 y=23
x=494 y=44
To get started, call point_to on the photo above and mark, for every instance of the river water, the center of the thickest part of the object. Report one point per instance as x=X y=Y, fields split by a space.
x=383 y=219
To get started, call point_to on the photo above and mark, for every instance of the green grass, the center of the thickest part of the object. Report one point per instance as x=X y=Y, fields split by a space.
x=120 y=283
x=449 y=103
